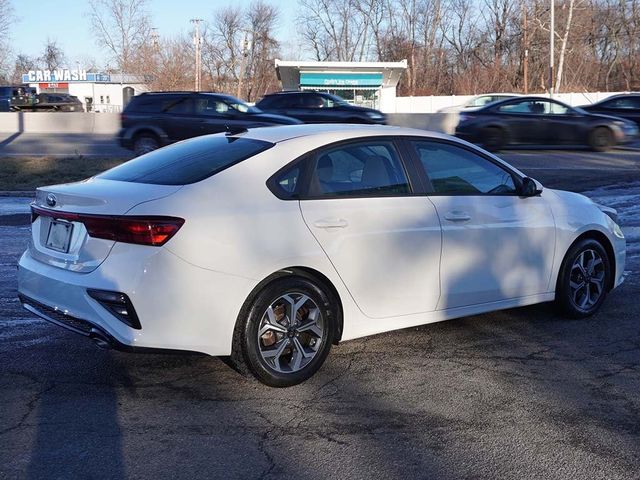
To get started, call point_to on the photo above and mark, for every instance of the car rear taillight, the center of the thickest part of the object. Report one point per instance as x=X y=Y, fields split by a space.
x=123 y=118
x=148 y=230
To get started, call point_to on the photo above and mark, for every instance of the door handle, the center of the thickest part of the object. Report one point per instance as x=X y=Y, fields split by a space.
x=330 y=223
x=457 y=216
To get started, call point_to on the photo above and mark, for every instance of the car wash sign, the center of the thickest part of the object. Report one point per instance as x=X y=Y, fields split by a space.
x=328 y=79
x=57 y=75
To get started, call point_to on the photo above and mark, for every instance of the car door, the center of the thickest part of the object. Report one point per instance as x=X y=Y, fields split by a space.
x=216 y=115
x=179 y=119
x=383 y=240
x=525 y=121
x=312 y=109
x=565 y=126
x=496 y=245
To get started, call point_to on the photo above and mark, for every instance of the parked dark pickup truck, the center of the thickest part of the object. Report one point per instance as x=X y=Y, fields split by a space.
x=15 y=98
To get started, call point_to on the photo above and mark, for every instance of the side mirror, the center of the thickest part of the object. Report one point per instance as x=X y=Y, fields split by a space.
x=530 y=188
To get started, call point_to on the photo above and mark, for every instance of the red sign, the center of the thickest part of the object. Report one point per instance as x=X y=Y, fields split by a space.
x=54 y=85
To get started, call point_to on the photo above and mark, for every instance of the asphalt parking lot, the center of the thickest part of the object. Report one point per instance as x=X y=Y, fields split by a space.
x=521 y=393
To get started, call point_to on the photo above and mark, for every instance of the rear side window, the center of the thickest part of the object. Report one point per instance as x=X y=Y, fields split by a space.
x=160 y=103
x=267 y=102
x=187 y=162
x=144 y=105
x=624 y=103
x=369 y=169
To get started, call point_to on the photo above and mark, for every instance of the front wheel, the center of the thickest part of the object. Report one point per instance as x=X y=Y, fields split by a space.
x=145 y=143
x=583 y=280
x=601 y=139
x=493 y=138
x=286 y=334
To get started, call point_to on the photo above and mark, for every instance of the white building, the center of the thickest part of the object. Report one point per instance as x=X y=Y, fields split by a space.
x=98 y=92
x=370 y=84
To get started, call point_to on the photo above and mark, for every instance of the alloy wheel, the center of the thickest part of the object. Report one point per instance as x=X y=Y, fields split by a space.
x=586 y=281
x=290 y=333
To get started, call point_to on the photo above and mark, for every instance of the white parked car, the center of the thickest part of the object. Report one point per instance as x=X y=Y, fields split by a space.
x=271 y=245
x=479 y=101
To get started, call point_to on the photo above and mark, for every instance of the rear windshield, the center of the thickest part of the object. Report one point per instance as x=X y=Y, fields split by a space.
x=187 y=162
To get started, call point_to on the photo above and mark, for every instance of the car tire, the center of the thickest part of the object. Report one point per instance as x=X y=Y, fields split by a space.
x=145 y=143
x=583 y=279
x=275 y=351
x=601 y=139
x=493 y=138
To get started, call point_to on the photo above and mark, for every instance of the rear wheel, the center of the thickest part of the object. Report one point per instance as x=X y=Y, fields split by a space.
x=583 y=280
x=601 y=139
x=145 y=143
x=493 y=138
x=286 y=332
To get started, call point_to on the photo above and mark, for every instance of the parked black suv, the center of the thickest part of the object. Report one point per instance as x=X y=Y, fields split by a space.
x=152 y=120
x=318 y=107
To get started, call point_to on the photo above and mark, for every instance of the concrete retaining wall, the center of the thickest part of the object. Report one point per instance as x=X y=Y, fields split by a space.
x=58 y=122
x=436 y=122
x=109 y=123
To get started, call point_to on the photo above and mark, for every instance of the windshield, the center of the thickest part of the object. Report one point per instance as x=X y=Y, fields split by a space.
x=240 y=106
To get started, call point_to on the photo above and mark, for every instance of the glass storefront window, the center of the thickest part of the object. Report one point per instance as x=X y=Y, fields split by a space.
x=363 y=97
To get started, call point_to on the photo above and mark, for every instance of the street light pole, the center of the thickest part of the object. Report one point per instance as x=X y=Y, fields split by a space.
x=197 y=42
x=552 y=34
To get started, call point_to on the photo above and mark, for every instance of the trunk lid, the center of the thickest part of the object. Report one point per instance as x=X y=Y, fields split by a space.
x=66 y=244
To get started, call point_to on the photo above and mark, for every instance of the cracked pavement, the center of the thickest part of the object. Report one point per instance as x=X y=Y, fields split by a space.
x=521 y=393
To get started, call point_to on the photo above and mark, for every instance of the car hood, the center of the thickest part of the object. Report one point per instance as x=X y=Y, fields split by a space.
x=355 y=108
x=610 y=118
x=273 y=118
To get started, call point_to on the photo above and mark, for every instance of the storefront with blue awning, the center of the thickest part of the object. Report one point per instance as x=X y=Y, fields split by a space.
x=369 y=84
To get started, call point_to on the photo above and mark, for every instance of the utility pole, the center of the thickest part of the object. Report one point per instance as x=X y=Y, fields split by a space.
x=552 y=33
x=525 y=41
x=155 y=38
x=243 y=61
x=197 y=42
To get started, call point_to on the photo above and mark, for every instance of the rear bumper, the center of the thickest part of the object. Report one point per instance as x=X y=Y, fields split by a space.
x=180 y=306
x=84 y=328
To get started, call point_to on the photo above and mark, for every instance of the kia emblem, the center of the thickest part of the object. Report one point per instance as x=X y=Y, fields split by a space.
x=51 y=200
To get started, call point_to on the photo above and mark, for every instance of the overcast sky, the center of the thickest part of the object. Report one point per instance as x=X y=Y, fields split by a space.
x=65 y=21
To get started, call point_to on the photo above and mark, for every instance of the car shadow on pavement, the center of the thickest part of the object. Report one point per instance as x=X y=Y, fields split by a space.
x=77 y=419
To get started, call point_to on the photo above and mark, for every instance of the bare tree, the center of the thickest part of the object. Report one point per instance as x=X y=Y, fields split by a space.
x=239 y=50
x=122 y=27
x=335 y=29
x=52 y=57
x=7 y=19
x=564 y=39
x=22 y=65
x=261 y=19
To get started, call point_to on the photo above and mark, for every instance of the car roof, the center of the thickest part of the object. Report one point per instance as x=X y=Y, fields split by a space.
x=338 y=131
x=619 y=95
x=520 y=98
x=291 y=92
x=500 y=94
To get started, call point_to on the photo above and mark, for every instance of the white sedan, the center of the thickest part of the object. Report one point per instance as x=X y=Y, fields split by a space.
x=270 y=245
